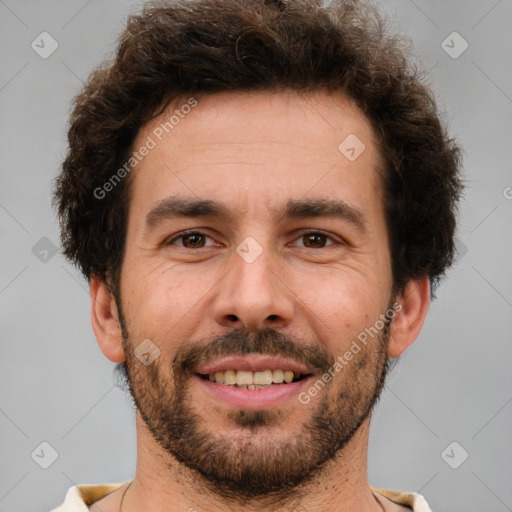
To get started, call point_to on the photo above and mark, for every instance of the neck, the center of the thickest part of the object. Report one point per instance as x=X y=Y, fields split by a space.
x=163 y=484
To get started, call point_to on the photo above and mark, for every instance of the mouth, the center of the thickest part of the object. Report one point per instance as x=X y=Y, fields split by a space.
x=254 y=381
x=264 y=379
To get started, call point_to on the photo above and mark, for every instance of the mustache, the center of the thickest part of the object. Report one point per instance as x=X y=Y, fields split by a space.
x=265 y=341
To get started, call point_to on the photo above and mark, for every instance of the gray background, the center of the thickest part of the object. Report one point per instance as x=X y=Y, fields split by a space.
x=453 y=384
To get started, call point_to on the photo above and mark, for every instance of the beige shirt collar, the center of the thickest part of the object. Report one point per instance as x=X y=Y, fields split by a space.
x=80 y=497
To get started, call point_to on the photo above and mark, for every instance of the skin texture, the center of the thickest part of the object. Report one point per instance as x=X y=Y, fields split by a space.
x=303 y=295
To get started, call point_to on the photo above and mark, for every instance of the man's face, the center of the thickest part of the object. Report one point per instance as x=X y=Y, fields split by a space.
x=272 y=280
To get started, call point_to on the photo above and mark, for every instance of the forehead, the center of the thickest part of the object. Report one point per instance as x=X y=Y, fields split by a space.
x=256 y=148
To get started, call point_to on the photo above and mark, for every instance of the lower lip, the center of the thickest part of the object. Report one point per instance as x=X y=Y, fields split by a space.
x=272 y=396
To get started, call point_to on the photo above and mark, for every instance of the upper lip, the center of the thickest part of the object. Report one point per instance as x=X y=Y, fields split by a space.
x=252 y=363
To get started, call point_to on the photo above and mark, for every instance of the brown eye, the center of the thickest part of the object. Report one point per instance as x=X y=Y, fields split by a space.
x=190 y=240
x=193 y=240
x=315 y=240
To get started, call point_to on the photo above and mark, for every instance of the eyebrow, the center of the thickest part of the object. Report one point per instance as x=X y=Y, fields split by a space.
x=335 y=208
x=184 y=207
x=293 y=209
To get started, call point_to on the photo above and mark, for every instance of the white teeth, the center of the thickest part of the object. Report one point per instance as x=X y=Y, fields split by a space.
x=229 y=377
x=244 y=378
x=263 y=378
x=253 y=386
x=288 y=377
x=277 y=376
x=252 y=380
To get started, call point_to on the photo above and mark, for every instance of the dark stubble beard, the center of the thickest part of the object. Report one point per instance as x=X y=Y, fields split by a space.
x=260 y=462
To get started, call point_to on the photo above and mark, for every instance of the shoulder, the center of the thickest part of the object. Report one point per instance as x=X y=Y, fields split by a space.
x=80 y=497
x=412 y=500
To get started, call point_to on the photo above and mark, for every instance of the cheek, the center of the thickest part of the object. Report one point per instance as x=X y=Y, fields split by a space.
x=161 y=302
x=341 y=303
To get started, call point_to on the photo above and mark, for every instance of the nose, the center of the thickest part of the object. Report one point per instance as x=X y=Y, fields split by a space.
x=253 y=295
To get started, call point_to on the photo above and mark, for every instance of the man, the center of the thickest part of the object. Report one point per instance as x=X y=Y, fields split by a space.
x=262 y=197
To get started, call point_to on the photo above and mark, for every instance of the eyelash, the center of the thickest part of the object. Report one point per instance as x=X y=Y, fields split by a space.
x=302 y=234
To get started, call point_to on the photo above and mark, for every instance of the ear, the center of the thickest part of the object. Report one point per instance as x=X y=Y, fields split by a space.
x=105 y=320
x=408 y=321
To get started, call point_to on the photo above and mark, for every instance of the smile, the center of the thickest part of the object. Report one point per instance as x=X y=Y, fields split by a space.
x=242 y=379
x=253 y=381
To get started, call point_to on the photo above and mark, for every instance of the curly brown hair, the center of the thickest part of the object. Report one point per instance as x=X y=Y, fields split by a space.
x=194 y=47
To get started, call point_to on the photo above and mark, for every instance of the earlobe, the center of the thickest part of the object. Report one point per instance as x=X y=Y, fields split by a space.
x=105 y=320
x=407 y=323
